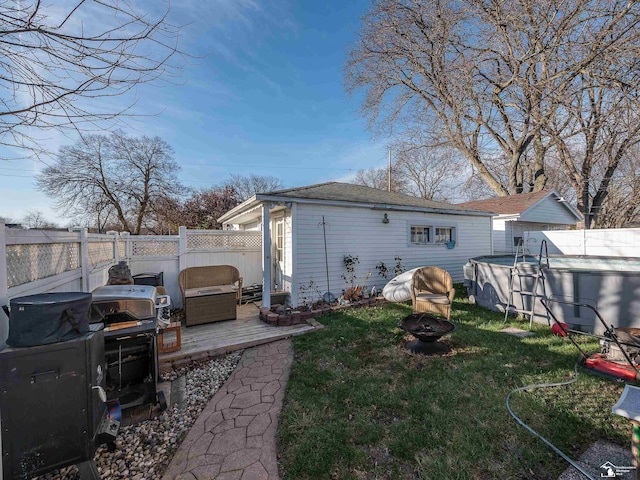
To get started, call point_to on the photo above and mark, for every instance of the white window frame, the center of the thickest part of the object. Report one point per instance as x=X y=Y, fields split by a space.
x=432 y=233
x=454 y=236
x=430 y=230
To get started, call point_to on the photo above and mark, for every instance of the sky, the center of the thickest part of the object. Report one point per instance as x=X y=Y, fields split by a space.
x=263 y=93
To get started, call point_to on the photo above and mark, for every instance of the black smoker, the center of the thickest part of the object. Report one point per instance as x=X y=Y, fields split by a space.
x=52 y=398
x=130 y=318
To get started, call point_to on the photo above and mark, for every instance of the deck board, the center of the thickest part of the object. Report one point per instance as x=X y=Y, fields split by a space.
x=213 y=339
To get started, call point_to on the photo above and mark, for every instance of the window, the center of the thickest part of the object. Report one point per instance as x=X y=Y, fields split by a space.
x=279 y=241
x=516 y=241
x=420 y=234
x=444 y=234
x=431 y=235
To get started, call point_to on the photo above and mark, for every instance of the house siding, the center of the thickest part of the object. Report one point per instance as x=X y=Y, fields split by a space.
x=501 y=233
x=549 y=211
x=360 y=232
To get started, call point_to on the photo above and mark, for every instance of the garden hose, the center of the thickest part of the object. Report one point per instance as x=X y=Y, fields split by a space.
x=536 y=434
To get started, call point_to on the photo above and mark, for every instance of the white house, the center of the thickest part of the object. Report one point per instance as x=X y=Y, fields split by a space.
x=371 y=224
x=516 y=214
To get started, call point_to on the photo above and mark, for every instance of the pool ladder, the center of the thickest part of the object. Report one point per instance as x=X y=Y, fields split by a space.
x=517 y=272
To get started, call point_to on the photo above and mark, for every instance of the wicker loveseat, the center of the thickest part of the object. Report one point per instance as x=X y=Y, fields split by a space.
x=210 y=293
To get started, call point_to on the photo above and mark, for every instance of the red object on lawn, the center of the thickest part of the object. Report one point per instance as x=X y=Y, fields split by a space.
x=599 y=363
x=560 y=329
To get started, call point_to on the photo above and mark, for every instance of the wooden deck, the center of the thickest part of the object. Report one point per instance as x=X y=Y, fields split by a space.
x=213 y=339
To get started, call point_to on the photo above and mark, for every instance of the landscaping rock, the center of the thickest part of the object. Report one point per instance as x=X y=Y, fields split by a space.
x=144 y=450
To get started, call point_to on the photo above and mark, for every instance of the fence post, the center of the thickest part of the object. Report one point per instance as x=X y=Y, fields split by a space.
x=127 y=245
x=116 y=249
x=84 y=259
x=182 y=248
x=4 y=321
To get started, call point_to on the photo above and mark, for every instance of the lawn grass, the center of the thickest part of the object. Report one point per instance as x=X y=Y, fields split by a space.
x=360 y=406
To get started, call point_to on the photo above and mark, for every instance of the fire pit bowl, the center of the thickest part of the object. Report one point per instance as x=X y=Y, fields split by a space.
x=428 y=330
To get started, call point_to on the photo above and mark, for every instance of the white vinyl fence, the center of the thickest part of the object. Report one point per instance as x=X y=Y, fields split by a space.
x=41 y=261
x=614 y=242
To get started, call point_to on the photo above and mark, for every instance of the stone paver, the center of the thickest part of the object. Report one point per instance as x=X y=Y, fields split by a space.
x=234 y=436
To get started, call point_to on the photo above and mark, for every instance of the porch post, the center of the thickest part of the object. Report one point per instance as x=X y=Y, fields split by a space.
x=266 y=257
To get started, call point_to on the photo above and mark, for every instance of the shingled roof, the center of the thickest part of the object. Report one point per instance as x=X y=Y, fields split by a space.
x=348 y=192
x=511 y=205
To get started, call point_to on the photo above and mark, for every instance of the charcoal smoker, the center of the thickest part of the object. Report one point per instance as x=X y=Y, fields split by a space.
x=129 y=313
x=52 y=398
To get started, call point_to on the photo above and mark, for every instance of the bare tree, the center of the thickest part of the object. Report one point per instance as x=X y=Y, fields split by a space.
x=379 y=178
x=431 y=173
x=623 y=200
x=434 y=173
x=35 y=219
x=60 y=63
x=507 y=84
x=247 y=185
x=111 y=177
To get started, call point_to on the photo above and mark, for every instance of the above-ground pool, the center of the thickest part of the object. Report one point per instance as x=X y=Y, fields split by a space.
x=611 y=284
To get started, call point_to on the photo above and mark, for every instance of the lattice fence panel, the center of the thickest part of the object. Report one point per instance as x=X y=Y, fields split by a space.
x=28 y=263
x=100 y=252
x=153 y=248
x=211 y=241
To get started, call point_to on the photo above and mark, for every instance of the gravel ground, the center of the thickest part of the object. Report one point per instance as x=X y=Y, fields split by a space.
x=144 y=450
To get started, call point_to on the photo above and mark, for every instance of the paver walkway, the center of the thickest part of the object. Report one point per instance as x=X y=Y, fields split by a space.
x=234 y=436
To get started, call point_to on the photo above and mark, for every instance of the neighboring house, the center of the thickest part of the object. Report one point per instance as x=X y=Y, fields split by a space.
x=516 y=214
x=374 y=225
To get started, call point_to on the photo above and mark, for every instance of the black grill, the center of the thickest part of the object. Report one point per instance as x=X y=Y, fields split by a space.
x=131 y=352
x=52 y=413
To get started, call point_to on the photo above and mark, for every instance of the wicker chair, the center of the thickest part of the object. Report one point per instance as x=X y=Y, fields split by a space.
x=432 y=291
x=210 y=276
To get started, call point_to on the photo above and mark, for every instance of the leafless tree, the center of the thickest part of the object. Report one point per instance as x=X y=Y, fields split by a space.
x=35 y=219
x=507 y=84
x=623 y=200
x=113 y=176
x=247 y=185
x=379 y=178
x=431 y=173
x=61 y=62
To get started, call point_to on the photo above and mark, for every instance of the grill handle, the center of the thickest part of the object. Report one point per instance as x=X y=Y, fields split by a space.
x=38 y=375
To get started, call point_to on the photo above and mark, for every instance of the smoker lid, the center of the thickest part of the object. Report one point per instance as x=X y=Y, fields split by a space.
x=122 y=292
x=50 y=298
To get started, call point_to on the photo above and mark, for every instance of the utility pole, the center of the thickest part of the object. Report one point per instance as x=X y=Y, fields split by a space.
x=389 y=184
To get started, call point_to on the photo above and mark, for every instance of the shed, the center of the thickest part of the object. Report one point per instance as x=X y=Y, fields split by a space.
x=376 y=226
x=516 y=214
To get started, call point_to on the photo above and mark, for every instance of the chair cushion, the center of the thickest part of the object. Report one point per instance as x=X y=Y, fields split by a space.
x=438 y=298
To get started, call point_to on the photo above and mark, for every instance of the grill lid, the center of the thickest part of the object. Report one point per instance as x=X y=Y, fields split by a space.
x=136 y=301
